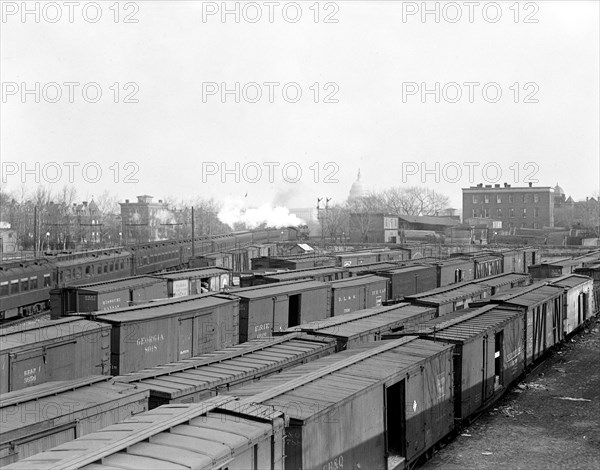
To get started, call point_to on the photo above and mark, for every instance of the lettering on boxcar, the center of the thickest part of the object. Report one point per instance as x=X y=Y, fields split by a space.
x=334 y=464
x=441 y=386
x=111 y=304
x=30 y=375
x=511 y=359
x=149 y=342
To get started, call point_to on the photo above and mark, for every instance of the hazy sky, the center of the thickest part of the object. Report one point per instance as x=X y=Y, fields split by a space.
x=366 y=71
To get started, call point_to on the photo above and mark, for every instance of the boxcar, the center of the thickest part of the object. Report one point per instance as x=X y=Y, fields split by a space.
x=201 y=377
x=292 y=262
x=504 y=282
x=355 y=328
x=543 y=306
x=450 y=298
x=455 y=270
x=409 y=280
x=69 y=348
x=354 y=259
x=328 y=273
x=357 y=293
x=488 y=265
x=41 y=417
x=172 y=330
x=371 y=268
x=392 y=401
x=109 y=295
x=275 y=307
x=211 y=435
x=579 y=300
x=593 y=271
x=196 y=281
x=489 y=353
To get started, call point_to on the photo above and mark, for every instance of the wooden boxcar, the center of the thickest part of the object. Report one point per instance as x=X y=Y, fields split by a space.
x=201 y=377
x=450 y=298
x=172 y=330
x=355 y=328
x=489 y=353
x=543 y=306
x=371 y=268
x=579 y=300
x=385 y=400
x=41 y=417
x=409 y=280
x=108 y=295
x=504 y=282
x=488 y=265
x=346 y=260
x=324 y=274
x=209 y=435
x=453 y=270
x=357 y=293
x=69 y=348
x=196 y=281
x=275 y=307
x=292 y=262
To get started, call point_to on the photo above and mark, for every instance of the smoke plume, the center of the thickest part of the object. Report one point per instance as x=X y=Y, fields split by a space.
x=237 y=212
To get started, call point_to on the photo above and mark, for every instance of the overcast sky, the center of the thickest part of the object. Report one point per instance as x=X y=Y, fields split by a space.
x=369 y=66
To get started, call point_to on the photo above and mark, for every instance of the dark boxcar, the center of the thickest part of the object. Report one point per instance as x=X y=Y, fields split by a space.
x=394 y=255
x=450 y=298
x=172 y=330
x=275 y=307
x=488 y=265
x=65 y=349
x=409 y=280
x=108 y=295
x=196 y=281
x=41 y=417
x=353 y=329
x=357 y=293
x=455 y=270
x=579 y=300
x=292 y=262
x=212 y=435
x=504 y=282
x=385 y=400
x=323 y=274
x=346 y=260
x=543 y=306
x=545 y=271
x=371 y=268
x=489 y=353
x=201 y=377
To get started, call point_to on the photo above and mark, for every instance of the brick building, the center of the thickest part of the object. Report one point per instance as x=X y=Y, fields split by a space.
x=515 y=207
x=366 y=227
x=145 y=221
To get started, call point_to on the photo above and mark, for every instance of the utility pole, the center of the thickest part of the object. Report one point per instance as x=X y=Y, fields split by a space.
x=35 y=232
x=193 y=235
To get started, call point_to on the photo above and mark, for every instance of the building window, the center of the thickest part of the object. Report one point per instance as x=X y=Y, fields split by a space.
x=474 y=213
x=46 y=280
x=511 y=212
x=536 y=198
x=536 y=211
x=486 y=198
x=524 y=212
x=498 y=199
x=524 y=198
x=510 y=198
x=499 y=213
x=486 y=213
x=474 y=198
x=535 y=225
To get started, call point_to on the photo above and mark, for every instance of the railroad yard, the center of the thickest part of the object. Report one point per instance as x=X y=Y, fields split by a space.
x=550 y=420
x=362 y=358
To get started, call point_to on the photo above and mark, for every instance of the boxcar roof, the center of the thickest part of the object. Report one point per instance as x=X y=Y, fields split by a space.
x=203 y=435
x=356 y=281
x=288 y=275
x=120 y=284
x=268 y=290
x=49 y=331
x=501 y=279
x=212 y=370
x=414 y=267
x=175 y=306
x=193 y=273
x=467 y=323
x=325 y=383
x=529 y=295
x=50 y=401
x=570 y=280
x=380 y=266
x=449 y=293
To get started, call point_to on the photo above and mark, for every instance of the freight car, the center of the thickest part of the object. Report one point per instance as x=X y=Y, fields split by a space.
x=172 y=330
x=275 y=307
x=579 y=300
x=409 y=280
x=323 y=274
x=350 y=295
x=593 y=271
x=450 y=298
x=108 y=295
x=201 y=377
x=292 y=262
x=353 y=329
x=353 y=413
x=47 y=415
x=196 y=281
x=504 y=282
x=213 y=435
x=65 y=349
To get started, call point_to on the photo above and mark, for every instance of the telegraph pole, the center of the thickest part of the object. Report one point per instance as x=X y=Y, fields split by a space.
x=193 y=234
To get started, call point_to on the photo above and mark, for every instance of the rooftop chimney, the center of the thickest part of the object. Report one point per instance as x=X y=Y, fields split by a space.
x=496 y=186
x=530 y=184
x=126 y=201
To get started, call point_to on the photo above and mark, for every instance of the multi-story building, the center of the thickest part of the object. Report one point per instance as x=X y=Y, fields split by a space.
x=515 y=207
x=373 y=228
x=145 y=221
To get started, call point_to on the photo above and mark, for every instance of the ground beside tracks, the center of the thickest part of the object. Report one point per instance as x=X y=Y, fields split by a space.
x=550 y=420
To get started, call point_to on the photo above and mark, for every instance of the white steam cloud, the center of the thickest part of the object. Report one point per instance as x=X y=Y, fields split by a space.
x=237 y=212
